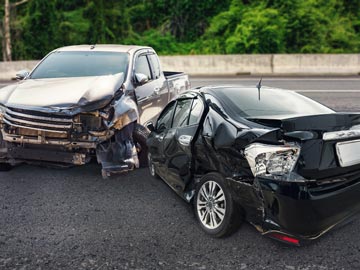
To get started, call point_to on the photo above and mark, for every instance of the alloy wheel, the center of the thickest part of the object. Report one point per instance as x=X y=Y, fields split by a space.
x=211 y=205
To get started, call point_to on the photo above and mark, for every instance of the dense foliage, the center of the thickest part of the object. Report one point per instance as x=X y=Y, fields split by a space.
x=189 y=26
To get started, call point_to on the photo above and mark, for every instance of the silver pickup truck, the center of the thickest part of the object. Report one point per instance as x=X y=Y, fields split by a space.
x=85 y=101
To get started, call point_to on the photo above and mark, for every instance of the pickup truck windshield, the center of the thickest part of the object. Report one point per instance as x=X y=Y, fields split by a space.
x=64 y=64
x=246 y=102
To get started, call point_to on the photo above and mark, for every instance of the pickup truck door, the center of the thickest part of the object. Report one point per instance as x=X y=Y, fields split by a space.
x=164 y=91
x=148 y=94
x=176 y=143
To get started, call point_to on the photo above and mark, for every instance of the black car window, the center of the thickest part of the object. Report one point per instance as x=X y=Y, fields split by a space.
x=215 y=104
x=155 y=65
x=248 y=102
x=63 y=64
x=165 y=118
x=182 y=112
x=196 y=112
x=142 y=66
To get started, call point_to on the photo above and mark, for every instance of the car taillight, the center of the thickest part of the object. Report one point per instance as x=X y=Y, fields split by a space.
x=265 y=159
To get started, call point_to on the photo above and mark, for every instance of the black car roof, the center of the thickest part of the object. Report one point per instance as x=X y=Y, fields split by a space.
x=211 y=89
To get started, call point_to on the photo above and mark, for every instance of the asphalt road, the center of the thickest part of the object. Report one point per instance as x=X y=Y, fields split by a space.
x=73 y=219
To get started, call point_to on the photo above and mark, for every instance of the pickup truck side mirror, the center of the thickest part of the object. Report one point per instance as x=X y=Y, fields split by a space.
x=141 y=78
x=22 y=74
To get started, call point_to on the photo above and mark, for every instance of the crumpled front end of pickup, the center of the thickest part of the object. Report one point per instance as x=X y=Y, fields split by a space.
x=119 y=154
x=72 y=136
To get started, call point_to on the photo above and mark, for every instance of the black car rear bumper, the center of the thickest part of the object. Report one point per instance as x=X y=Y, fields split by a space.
x=303 y=210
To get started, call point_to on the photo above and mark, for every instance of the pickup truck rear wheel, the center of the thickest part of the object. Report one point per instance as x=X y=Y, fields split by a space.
x=140 y=136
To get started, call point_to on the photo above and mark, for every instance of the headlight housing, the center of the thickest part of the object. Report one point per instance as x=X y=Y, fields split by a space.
x=86 y=122
x=2 y=112
x=272 y=160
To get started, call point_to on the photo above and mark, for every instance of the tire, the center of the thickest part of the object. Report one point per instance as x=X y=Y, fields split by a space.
x=140 y=136
x=4 y=167
x=214 y=207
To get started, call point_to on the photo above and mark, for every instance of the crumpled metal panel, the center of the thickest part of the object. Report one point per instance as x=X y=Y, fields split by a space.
x=119 y=154
x=125 y=112
x=270 y=202
x=68 y=95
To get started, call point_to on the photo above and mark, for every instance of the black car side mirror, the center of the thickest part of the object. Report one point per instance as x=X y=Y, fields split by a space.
x=22 y=74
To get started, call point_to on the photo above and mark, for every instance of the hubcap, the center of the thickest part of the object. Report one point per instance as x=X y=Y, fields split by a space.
x=211 y=205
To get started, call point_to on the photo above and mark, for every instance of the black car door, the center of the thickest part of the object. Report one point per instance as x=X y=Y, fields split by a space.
x=156 y=138
x=177 y=142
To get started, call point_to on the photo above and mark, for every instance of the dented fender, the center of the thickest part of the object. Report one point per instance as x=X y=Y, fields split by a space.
x=119 y=154
x=125 y=111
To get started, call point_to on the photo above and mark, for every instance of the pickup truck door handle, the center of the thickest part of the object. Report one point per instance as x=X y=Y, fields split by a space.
x=185 y=140
x=157 y=90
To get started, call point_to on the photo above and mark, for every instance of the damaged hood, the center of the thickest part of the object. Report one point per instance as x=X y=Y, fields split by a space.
x=60 y=93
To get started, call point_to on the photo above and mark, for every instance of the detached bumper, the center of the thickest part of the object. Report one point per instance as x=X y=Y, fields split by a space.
x=306 y=211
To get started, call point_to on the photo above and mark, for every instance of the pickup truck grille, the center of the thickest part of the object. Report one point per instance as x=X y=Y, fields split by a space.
x=25 y=119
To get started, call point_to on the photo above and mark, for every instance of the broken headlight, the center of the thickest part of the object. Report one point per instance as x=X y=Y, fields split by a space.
x=268 y=160
x=2 y=112
x=91 y=122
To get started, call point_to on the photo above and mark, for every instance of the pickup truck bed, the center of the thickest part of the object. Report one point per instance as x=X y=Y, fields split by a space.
x=178 y=81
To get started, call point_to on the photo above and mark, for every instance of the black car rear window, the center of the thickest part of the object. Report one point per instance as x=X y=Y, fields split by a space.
x=63 y=64
x=247 y=103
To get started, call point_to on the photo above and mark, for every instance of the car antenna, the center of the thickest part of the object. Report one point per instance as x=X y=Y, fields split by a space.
x=258 y=86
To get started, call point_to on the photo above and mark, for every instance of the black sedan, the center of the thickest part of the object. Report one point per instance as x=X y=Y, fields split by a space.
x=285 y=163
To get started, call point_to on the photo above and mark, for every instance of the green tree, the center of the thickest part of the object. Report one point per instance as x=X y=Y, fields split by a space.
x=222 y=26
x=261 y=30
x=109 y=21
x=40 y=29
x=186 y=20
x=187 y=26
x=95 y=13
x=319 y=26
x=243 y=29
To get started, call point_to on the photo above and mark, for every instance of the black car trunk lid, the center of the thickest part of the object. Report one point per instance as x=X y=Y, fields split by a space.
x=320 y=155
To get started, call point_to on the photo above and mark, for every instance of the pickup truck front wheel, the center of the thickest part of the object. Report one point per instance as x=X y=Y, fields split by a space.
x=140 y=136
